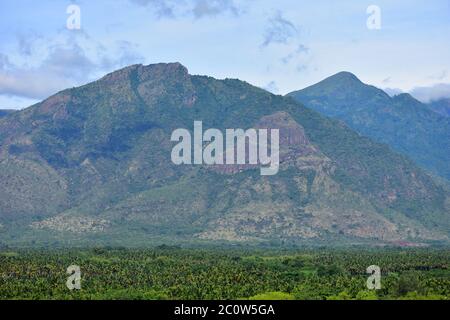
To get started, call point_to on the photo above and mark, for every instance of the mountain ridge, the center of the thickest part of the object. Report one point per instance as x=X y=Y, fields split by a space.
x=406 y=124
x=92 y=165
x=441 y=106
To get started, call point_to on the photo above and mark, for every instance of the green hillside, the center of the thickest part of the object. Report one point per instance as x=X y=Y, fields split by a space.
x=407 y=125
x=91 y=165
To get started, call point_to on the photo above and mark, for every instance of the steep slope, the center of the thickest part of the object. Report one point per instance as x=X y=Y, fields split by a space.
x=92 y=165
x=402 y=122
x=441 y=106
x=5 y=112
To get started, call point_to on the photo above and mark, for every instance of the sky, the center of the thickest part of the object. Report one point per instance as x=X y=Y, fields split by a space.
x=283 y=45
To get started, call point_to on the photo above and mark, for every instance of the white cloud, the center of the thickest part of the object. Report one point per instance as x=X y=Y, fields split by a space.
x=280 y=30
x=439 y=76
x=196 y=8
x=213 y=7
x=69 y=61
x=271 y=87
x=432 y=93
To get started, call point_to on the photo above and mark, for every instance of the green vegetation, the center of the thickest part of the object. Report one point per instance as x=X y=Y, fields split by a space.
x=173 y=273
x=91 y=166
x=415 y=129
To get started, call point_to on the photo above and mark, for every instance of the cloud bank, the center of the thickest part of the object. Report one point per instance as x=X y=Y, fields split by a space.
x=195 y=8
x=69 y=62
x=280 y=30
x=433 y=93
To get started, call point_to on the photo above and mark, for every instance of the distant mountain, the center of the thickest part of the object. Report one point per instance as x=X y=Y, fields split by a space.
x=441 y=106
x=5 y=112
x=92 y=165
x=402 y=122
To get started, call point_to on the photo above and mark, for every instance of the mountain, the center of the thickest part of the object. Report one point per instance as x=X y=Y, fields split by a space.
x=407 y=125
x=441 y=106
x=5 y=112
x=92 y=165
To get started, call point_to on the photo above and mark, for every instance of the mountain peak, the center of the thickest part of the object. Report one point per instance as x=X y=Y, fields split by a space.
x=403 y=122
x=344 y=75
x=145 y=72
x=408 y=101
x=342 y=79
x=341 y=86
x=174 y=69
x=166 y=67
x=405 y=97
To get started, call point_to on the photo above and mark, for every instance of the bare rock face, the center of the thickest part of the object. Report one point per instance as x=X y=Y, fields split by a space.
x=293 y=140
x=72 y=224
x=295 y=147
x=55 y=106
x=164 y=82
x=291 y=133
x=175 y=71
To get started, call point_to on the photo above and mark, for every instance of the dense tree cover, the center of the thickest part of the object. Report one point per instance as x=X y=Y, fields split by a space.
x=173 y=273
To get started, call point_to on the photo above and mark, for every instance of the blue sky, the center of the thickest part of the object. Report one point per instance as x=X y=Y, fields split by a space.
x=279 y=45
